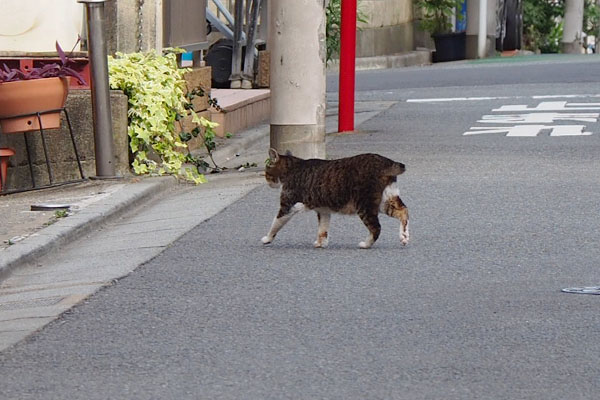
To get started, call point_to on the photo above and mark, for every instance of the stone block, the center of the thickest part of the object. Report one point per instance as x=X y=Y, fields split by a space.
x=199 y=78
x=188 y=125
x=263 y=74
x=385 y=40
x=241 y=112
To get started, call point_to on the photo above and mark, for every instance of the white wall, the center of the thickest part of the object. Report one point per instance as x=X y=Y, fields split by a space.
x=35 y=25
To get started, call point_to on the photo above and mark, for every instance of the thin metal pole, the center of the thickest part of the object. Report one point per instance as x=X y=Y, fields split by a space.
x=45 y=147
x=347 y=66
x=236 y=57
x=29 y=159
x=248 y=75
x=103 y=136
x=74 y=144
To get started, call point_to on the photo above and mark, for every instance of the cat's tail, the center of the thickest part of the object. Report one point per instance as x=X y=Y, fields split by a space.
x=394 y=170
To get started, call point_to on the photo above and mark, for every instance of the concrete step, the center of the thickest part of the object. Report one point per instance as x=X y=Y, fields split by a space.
x=240 y=109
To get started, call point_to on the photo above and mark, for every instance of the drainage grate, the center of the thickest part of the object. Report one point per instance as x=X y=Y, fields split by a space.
x=583 y=290
x=32 y=303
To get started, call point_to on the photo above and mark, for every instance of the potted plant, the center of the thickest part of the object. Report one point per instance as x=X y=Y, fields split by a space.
x=436 y=19
x=23 y=94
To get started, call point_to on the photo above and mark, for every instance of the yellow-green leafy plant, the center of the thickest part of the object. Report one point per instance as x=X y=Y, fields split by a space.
x=156 y=92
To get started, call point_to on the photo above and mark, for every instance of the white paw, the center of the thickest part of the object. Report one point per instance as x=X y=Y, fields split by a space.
x=266 y=240
x=321 y=244
x=404 y=239
x=364 y=245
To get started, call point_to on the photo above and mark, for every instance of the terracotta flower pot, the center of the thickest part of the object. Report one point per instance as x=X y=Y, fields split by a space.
x=5 y=153
x=31 y=96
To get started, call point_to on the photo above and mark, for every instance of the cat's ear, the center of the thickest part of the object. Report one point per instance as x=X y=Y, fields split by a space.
x=273 y=155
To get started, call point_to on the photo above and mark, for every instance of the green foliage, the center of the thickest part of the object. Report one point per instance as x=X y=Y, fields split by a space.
x=542 y=29
x=591 y=18
x=436 y=15
x=61 y=213
x=209 y=135
x=333 y=14
x=155 y=89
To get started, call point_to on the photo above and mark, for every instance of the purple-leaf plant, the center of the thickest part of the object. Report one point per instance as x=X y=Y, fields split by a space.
x=52 y=70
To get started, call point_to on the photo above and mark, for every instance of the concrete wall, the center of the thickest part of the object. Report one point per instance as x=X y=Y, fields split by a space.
x=130 y=28
x=389 y=29
x=35 y=25
x=473 y=28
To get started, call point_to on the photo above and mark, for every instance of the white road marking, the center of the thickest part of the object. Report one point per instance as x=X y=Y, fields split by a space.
x=462 y=99
x=538 y=118
x=564 y=96
x=487 y=98
x=550 y=106
x=530 y=130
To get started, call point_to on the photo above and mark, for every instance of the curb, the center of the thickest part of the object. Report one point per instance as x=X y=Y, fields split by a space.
x=63 y=231
x=414 y=58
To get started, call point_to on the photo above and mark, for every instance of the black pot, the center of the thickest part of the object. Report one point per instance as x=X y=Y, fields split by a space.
x=449 y=46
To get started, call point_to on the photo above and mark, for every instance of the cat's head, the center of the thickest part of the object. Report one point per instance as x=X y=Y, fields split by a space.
x=274 y=168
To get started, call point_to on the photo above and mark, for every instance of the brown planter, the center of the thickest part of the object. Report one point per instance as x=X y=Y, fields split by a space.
x=29 y=97
x=5 y=153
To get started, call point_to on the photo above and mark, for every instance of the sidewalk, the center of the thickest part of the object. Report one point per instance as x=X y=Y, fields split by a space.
x=49 y=261
x=26 y=235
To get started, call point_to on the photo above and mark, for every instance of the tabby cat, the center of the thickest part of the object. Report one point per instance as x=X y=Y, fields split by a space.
x=364 y=184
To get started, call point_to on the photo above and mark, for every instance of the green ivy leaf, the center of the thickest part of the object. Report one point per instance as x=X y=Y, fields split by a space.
x=158 y=101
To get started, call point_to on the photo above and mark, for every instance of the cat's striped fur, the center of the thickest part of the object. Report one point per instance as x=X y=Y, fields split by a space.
x=364 y=184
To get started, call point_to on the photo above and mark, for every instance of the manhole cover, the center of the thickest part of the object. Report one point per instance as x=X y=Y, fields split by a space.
x=583 y=290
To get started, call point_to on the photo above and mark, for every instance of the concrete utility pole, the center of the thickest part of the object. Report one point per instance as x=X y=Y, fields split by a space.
x=482 y=30
x=572 y=32
x=297 y=43
x=481 y=27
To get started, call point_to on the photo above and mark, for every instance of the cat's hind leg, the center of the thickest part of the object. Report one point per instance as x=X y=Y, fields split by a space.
x=285 y=214
x=393 y=206
x=371 y=221
x=322 y=234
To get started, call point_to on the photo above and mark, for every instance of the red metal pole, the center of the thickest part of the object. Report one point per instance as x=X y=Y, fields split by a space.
x=347 y=64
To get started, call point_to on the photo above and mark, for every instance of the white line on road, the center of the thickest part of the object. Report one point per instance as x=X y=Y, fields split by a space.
x=461 y=99
x=530 y=130
x=552 y=96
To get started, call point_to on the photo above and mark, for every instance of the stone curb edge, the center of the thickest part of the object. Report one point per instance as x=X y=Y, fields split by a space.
x=66 y=230
x=414 y=58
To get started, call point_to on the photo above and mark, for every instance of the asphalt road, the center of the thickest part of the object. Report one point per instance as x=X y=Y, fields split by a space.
x=538 y=69
x=470 y=309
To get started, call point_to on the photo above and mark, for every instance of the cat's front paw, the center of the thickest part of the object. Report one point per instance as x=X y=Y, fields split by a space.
x=266 y=239
x=404 y=239
x=321 y=244
x=364 y=245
